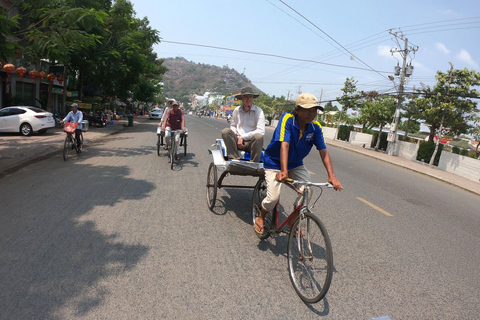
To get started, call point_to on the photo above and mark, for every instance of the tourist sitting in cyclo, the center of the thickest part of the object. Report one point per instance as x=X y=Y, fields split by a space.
x=174 y=121
x=247 y=128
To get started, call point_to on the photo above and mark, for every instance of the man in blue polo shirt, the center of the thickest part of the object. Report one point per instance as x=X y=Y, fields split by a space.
x=294 y=137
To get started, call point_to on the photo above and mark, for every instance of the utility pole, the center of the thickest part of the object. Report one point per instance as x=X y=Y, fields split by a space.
x=404 y=53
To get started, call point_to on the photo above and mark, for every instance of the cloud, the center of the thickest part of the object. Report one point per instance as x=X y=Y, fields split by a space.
x=464 y=56
x=442 y=48
x=384 y=51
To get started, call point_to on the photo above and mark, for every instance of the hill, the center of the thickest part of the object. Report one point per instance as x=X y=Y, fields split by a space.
x=185 y=78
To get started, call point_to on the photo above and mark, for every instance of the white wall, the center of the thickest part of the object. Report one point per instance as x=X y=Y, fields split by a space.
x=460 y=165
x=407 y=150
x=329 y=132
x=360 y=139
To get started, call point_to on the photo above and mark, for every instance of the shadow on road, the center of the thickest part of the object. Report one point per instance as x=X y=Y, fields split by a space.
x=52 y=254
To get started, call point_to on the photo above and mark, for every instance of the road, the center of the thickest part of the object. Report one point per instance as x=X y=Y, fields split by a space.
x=115 y=234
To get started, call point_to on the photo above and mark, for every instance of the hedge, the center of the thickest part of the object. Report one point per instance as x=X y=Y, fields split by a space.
x=425 y=152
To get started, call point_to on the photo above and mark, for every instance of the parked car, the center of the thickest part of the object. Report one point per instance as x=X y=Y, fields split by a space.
x=155 y=114
x=26 y=120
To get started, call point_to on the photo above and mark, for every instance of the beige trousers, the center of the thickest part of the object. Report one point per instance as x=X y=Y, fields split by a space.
x=274 y=187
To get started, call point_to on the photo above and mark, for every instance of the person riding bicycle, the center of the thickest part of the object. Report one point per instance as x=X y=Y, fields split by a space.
x=174 y=120
x=292 y=141
x=75 y=116
x=247 y=128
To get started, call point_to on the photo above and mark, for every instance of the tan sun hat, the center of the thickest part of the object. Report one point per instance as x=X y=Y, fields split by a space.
x=170 y=102
x=307 y=101
x=247 y=91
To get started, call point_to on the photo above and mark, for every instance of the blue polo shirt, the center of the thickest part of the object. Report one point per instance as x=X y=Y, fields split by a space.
x=300 y=142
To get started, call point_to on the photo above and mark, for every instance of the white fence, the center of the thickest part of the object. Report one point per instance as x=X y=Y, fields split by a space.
x=460 y=165
x=360 y=139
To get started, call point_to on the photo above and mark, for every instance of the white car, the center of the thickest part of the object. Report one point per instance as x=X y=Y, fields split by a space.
x=25 y=120
x=155 y=114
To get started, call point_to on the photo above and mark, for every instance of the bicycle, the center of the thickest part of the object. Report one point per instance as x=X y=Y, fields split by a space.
x=70 y=141
x=173 y=143
x=309 y=250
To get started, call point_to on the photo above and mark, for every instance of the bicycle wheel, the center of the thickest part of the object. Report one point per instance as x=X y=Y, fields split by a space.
x=184 y=146
x=158 y=146
x=259 y=193
x=66 y=147
x=211 y=185
x=310 y=258
x=173 y=146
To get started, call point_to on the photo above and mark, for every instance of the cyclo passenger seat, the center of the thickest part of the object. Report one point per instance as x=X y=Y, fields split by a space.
x=244 y=155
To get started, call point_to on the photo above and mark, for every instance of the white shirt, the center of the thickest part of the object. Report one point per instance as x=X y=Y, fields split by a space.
x=247 y=124
x=75 y=118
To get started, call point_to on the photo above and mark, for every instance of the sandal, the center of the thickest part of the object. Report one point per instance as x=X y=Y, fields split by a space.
x=260 y=229
x=177 y=157
x=165 y=148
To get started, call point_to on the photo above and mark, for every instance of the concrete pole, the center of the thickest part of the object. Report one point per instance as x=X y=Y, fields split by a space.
x=392 y=145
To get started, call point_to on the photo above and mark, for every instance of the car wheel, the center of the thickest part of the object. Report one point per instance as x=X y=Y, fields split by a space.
x=25 y=129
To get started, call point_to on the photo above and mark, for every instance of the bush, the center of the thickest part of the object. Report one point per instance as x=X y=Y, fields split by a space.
x=425 y=152
x=383 y=141
x=456 y=150
x=368 y=131
x=344 y=132
x=472 y=154
x=464 y=152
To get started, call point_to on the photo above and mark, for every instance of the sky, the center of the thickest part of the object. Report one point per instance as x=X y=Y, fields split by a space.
x=288 y=47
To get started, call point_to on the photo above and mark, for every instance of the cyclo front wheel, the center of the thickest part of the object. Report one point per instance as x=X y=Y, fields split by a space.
x=211 y=185
x=259 y=193
x=310 y=258
x=67 y=145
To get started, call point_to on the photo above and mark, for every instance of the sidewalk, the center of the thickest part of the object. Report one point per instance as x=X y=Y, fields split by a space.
x=416 y=166
x=17 y=151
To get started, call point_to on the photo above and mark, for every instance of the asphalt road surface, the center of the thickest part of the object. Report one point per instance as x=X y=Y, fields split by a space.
x=116 y=234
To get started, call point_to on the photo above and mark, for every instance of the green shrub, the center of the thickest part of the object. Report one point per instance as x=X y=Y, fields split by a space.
x=456 y=150
x=368 y=131
x=344 y=132
x=425 y=152
x=383 y=141
x=464 y=152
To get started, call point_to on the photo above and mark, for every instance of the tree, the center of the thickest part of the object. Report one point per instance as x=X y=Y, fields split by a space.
x=378 y=111
x=7 y=25
x=348 y=99
x=451 y=100
x=474 y=131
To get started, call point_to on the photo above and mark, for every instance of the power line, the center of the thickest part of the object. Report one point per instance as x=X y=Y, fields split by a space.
x=333 y=39
x=271 y=55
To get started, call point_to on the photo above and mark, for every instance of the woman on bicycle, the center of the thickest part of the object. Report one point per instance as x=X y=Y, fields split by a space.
x=174 y=120
x=75 y=116
x=292 y=141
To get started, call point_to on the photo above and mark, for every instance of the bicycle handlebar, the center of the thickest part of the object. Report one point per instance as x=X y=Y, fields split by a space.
x=293 y=183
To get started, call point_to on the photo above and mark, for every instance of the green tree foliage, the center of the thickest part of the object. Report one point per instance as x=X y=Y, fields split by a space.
x=109 y=49
x=7 y=25
x=450 y=99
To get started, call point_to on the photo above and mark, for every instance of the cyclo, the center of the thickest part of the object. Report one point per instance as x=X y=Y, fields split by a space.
x=309 y=250
x=171 y=153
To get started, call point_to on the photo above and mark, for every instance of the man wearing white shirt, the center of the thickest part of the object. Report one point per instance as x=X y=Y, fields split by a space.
x=247 y=128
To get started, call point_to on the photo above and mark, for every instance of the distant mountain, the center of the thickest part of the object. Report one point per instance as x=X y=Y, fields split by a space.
x=185 y=78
